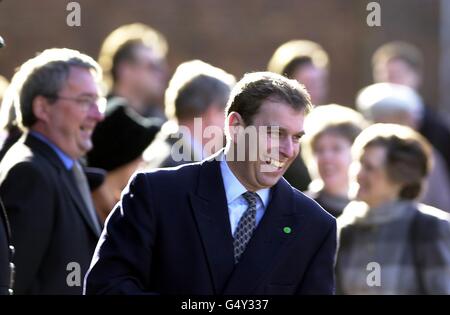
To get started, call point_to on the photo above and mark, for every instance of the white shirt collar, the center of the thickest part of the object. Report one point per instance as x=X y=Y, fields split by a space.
x=233 y=187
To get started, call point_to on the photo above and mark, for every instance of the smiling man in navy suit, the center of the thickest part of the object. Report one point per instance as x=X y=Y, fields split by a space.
x=230 y=224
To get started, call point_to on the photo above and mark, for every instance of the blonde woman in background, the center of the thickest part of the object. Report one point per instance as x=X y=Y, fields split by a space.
x=331 y=130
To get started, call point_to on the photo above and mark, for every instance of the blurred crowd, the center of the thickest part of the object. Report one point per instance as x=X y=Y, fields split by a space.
x=380 y=165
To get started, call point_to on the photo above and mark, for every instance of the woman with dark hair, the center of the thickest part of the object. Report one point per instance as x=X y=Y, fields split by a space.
x=389 y=243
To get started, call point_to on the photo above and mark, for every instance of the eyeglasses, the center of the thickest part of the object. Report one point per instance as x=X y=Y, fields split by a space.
x=85 y=102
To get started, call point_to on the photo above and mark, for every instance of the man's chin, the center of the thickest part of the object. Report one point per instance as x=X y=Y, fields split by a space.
x=271 y=179
x=86 y=147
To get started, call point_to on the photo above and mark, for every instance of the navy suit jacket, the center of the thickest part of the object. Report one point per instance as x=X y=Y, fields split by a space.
x=171 y=234
x=50 y=224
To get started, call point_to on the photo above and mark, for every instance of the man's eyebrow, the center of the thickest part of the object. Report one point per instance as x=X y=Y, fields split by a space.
x=283 y=130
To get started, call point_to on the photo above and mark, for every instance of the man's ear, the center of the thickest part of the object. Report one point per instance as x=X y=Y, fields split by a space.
x=235 y=123
x=41 y=108
x=235 y=119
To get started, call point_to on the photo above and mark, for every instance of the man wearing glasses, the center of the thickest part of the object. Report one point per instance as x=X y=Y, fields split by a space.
x=53 y=221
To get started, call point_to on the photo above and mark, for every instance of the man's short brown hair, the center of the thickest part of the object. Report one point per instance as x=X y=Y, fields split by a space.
x=254 y=88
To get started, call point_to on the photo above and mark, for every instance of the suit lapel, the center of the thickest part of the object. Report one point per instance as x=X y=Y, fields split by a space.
x=275 y=230
x=65 y=177
x=210 y=210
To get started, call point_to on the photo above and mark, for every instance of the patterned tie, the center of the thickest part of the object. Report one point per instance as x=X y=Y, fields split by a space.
x=246 y=226
x=84 y=190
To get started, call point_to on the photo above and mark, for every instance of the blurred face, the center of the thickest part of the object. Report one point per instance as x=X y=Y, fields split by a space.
x=213 y=129
x=149 y=75
x=278 y=147
x=71 y=119
x=333 y=156
x=399 y=72
x=400 y=118
x=215 y=116
x=315 y=80
x=375 y=187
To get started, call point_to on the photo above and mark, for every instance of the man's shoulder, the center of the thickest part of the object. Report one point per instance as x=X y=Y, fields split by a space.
x=165 y=152
x=159 y=154
x=18 y=154
x=430 y=224
x=432 y=218
x=181 y=174
x=175 y=171
x=26 y=160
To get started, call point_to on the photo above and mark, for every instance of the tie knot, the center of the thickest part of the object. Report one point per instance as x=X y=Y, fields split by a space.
x=251 y=198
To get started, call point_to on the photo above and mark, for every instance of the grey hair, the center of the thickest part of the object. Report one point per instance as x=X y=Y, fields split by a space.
x=196 y=86
x=381 y=99
x=46 y=75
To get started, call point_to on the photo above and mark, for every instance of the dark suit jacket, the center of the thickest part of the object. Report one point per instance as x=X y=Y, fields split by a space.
x=171 y=235
x=5 y=253
x=434 y=129
x=50 y=224
x=298 y=175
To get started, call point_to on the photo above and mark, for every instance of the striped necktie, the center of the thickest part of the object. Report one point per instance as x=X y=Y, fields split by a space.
x=246 y=226
x=85 y=192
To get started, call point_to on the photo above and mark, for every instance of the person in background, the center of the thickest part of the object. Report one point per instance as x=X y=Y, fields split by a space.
x=402 y=63
x=330 y=132
x=386 y=229
x=10 y=132
x=133 y=59
x=400 y=104
x=3 y=85
x=6 y=254
x=118 y=145
x=195 y=103
x=46 y=195
x=306 y=62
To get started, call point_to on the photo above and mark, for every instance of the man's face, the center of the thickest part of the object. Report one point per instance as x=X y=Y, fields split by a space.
x=213 y=129
x=397 y=71
x=333 y=156
x=71 y=119
x=149 y=75
x=315 y=81
x=277 y=147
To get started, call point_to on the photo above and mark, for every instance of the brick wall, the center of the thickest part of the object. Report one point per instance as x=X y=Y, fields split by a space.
x=238 y=35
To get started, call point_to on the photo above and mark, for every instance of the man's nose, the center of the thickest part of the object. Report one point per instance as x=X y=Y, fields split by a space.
x=326 y=155
x=96 y=114
x=288 y=147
